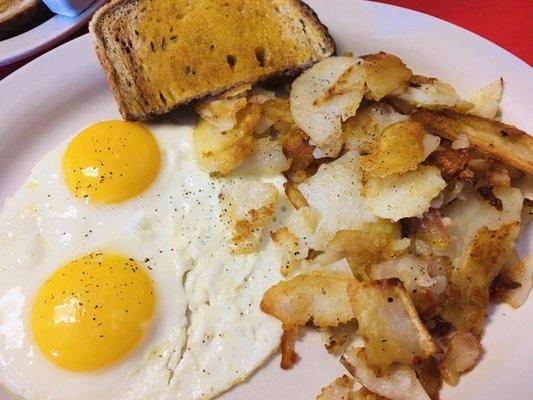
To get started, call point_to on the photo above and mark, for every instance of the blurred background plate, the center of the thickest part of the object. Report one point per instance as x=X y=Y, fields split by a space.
x=44 y=36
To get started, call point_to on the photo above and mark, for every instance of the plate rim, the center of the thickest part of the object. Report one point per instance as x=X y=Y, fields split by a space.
x=10 y=53
x=68 y=47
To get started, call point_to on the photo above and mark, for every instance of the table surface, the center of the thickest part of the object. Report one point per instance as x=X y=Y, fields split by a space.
x=504 y=22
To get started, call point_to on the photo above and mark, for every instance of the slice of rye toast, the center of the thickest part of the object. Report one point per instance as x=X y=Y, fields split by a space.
x=18 y=16
x=159 y=54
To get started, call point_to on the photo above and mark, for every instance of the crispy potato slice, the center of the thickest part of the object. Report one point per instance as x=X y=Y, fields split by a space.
x=221 y=113
x=260 y=95
x=407 y=195
x=363 y=129
x=365 y=394
x=239 y=90
x=339 y=389
x=470 y=212
x=288 y=355
x=324 y=96
x=266 y=158
x=336 y=338
x=514 y=282
x=399 y=148
x=495 y=139
x=247 y=207
x=473 y=274
x=430 y=93
x=372 y=244
x=293 y=239
x=318 y=297
x=486 y=100
x=399 y=382
x=221 y=110
x=275 y=113
x=389 y=324
x=428 y=374
x=335 y=192
x=289 y=246
x=297 y=149
x=425 y=278
x=462 y=352
x=384 y=74
x=295 y=197
x=219 y=153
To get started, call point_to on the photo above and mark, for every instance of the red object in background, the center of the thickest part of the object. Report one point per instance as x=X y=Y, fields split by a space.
x=504 y=22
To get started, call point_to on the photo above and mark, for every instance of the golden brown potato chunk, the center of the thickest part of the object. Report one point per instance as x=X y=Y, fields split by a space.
x=318 y=297
x=493 y=138
x=384 y=74
x=399 y=148
x=389 y=324
x=219 y=152
x=473 y=274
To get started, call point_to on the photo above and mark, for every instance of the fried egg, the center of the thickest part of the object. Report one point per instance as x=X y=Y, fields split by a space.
x=116 y=281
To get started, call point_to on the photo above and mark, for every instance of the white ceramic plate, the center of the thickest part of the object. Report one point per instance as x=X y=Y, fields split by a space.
x=60 y=92
x=44 y=36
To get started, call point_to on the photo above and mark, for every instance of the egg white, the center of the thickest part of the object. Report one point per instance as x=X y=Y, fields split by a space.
x=207 y=332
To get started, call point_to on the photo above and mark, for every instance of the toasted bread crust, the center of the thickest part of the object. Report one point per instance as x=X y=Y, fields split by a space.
x=121 y=96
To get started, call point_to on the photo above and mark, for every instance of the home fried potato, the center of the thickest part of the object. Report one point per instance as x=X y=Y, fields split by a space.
x=266 y=159
x=297 y=149
x=335 y=192
x=221 y=113
x=292 y=239
x=471 y=212
x=289 y=247
x=318 y=297
x=430 y=93
x=218 y=152
x=513 y=283
x=295 y=197
x=247 y=207
x=361 y=248
x=324 y=96
x=473 y=274
x=363 y=129
x=221 y=110
x=339 y=389
x=492 y=138
x=336 y=338
x=384 y=74
x=275 y=113
x=429 y=375
x=399 y=148
x=462 y=352
x=486 y=100
x=389 y=324
x=365 y=394
x=399 y=382
x=425 y=278
x=407 y=195
x=288 y=355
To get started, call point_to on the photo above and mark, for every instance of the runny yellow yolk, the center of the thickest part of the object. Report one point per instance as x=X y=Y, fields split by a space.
x=92 y=311
x=111 y=161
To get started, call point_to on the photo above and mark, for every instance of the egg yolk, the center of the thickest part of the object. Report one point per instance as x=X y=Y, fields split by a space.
x=111 y=161
x=92 y=311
